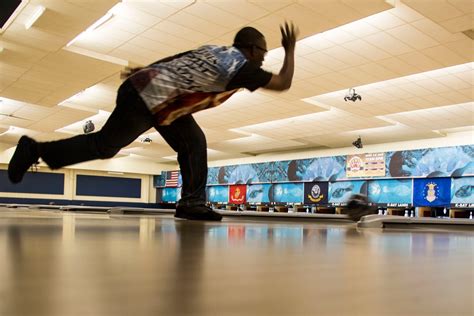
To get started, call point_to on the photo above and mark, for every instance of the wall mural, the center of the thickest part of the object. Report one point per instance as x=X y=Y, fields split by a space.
x=240 y=174
x=314 y=169
x=286 y=192
x=462 y=191
x=453 y=161
x=456 y=161
x=168 y=195
x=459 y=192
x=390 y=191
x=258 y=193
x=340 y=192
x=217 y=193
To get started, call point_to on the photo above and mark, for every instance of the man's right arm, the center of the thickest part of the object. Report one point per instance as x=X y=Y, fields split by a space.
x=283 y=80
x=128 y=71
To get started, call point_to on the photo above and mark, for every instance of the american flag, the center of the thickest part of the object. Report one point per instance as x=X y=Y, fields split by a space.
x=172 y=178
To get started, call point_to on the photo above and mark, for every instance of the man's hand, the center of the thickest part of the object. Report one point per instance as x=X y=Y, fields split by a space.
x=128 y=71
x=283 y=80
x=288 y=36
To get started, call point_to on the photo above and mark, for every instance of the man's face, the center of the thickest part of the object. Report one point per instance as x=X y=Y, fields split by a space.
x=259 y=50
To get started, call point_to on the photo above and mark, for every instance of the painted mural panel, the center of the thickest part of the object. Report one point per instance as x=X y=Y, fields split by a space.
x=241 y=174
x=158 y=181
x=390 y=191
x=212 y=175
x=217 y=193
x=170 y=195
x=453 y=161
x=315 y=169
x=462 y=192
x=258 y=193
x=341 y=191
x=456 y=161
x=286 y=192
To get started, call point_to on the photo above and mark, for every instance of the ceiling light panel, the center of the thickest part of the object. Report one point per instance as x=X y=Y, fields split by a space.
x=77 y=127
x=254 y=143
x=92 y=99
x=219 y=16
x=151 y=151
x=455 y=16
x=406 y=93
x=13 y=133
x=373 y=136
x=35 y=15
x=438 y=118
x=333 y=121
x=242 y=8
x=380 y=51
x=59 y=118
x=223 y=117
x=120 y=24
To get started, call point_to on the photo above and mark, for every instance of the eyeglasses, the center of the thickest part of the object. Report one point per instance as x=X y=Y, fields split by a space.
x=261 y=48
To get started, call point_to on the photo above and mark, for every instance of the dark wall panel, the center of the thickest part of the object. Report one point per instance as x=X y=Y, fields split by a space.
x=34 y=182
x=108 y=186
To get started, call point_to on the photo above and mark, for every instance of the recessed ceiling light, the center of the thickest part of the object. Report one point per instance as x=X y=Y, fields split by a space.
x=35 y=16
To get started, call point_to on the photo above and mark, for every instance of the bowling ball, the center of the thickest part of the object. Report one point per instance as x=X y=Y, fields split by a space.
x=357 y=201
x=358 y=206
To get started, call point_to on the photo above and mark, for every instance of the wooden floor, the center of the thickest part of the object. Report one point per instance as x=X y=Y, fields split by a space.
x=58 y=263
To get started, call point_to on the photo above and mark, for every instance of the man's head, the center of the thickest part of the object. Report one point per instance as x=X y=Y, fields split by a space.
x=252 y=44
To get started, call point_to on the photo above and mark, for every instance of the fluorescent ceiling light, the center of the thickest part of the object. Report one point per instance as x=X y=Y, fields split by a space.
x=9 y=130
x=35 y=16
x=109 y=15
x=100 y=21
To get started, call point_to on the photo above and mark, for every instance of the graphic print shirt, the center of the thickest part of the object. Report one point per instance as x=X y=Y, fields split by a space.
x=195 y=80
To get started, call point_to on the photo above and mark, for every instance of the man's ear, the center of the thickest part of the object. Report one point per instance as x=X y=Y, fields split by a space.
x=252 y=51
x=247 y=52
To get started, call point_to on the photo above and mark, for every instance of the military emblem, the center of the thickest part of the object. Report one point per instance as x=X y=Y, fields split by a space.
x=315 y=194
x=431 y=192
x=356 y=164
x=238 y=196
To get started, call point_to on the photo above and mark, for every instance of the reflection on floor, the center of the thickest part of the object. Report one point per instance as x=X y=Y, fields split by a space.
x=59 y=263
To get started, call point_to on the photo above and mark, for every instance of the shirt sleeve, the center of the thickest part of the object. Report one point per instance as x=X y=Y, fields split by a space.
x=250 y=77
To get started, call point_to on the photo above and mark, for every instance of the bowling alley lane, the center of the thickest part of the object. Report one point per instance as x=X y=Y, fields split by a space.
x=72 y=263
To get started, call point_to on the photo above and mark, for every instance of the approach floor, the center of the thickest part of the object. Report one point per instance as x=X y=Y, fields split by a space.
x=65 y=263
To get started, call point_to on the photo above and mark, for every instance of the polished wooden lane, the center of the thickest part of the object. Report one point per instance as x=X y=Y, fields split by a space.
x=59 y=263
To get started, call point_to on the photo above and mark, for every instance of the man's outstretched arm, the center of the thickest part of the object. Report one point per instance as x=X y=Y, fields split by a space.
x=283 y=80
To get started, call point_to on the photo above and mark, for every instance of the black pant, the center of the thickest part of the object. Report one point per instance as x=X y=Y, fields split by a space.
x=129 y=120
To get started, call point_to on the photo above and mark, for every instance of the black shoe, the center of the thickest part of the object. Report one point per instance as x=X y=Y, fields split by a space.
x=199 y=212
x=26 y=154
x=358 y=207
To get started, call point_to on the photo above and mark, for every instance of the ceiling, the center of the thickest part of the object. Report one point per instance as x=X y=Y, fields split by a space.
x=410 y=60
